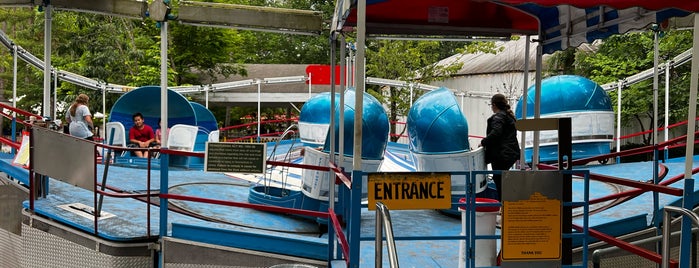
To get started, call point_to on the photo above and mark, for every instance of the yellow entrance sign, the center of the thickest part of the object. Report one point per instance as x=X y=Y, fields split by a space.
x=531 y=228
x=410 y=190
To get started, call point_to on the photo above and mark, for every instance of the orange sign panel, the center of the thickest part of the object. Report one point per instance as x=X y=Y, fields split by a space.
x=531 y=228
x=410 y=190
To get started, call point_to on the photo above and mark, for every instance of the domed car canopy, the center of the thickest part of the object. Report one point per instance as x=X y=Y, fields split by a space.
x=438 y=133
x=437 y=125
x=374 y=127
x=206 y=123
x=589 y=108
x=314 y=118
x=205 y=118
x=566 y=93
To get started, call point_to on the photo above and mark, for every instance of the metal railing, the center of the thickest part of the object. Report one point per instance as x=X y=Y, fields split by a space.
x=667 y=217
x=598 y=254
x=383 y=221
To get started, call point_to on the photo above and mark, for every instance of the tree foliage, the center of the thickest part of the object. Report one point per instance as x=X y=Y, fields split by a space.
x=117 y=50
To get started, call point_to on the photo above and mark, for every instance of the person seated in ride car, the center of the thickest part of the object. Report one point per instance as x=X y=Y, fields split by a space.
x=158 y=133
x=141 y=135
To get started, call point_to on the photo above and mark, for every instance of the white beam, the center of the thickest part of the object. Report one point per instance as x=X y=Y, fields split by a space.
x=251 y=97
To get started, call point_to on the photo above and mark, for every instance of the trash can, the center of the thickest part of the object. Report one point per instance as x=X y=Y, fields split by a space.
x=485 y=250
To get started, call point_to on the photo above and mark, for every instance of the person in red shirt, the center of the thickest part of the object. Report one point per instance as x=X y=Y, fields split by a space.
x=141 y=135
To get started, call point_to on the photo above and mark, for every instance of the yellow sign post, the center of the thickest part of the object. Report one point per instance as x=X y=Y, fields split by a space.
x=410 y=190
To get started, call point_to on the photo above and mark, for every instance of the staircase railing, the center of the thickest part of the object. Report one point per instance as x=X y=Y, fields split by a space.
x=667 y=218
x=383 y=221
x=286 y=158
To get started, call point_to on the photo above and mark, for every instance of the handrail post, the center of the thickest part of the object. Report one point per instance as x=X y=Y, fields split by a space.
x=164 y=184
x=666 y=230
x=378 y=260
x=686 y=233
x=98 y=210
x=383 y=220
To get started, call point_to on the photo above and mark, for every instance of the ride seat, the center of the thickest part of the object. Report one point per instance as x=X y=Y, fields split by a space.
x=116 y=136
x=182 y=137
x=213 y=136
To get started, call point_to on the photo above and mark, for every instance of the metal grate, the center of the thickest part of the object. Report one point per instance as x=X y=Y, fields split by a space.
x=187 y=265
x=44 y=250
x=634 y=261
x=10 y=249
x=180 y=253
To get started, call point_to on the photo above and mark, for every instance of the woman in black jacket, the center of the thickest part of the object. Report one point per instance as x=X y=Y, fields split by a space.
x=500 y=142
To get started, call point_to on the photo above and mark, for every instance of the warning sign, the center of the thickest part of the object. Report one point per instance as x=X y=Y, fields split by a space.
x=235 y=157
x=410 y=190
x=531 y=228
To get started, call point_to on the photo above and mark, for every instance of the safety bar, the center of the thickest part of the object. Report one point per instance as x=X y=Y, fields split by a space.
x=383 y=219
x=666 y=230
x=288 y=131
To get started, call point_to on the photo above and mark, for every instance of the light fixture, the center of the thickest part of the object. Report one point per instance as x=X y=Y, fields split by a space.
x=232 y=85
x=285 y=80
x=186 y=89
x=386 y=82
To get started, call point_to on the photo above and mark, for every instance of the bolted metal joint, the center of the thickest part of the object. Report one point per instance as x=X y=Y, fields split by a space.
x=159 y=10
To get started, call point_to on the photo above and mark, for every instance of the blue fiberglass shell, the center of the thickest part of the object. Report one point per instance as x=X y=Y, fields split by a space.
x=146 y=100
x=566 y=93
x=317 y=109
x=206 y=123
x=205 y=118
x=374 y=127
x=586 y=103
x=437 y=125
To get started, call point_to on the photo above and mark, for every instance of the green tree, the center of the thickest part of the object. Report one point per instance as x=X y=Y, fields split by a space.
x=18 y=24
x=207 y=50
x=620 y=56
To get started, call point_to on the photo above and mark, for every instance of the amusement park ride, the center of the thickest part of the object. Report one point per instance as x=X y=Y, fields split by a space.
x=310 y=200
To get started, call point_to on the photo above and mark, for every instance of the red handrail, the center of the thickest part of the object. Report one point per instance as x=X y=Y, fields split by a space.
x=650 y=130
x=18 y=111
x=255 y=124
x=642 y=252
x=340 y=235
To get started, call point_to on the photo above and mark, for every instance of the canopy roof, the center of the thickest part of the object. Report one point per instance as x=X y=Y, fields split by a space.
x=559 y=23
x=686 y=5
